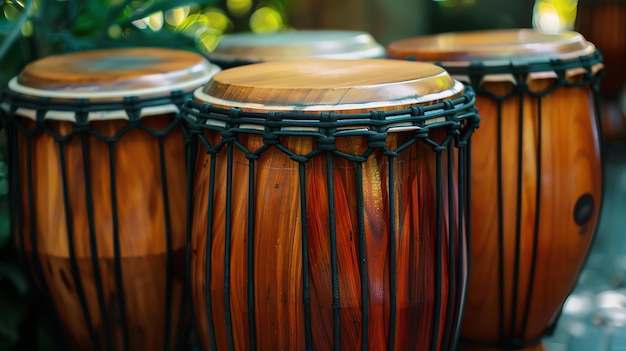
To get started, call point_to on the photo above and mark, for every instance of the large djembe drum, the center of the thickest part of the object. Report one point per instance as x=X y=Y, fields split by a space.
x=537 y=174
x=245 y=48
x=98 y=194
x=329 y=206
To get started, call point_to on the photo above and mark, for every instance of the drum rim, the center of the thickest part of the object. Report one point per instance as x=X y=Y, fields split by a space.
x=300 y=122
x=372 y=49
x=187 y=85
x=486 y=59
x=103 y=107
x=456 y=89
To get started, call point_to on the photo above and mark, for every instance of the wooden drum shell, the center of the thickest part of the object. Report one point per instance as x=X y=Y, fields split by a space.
x=278 y=238
x=527 y=213
x=98 y=163
x=309 y=236
x=57 y=169
x=536 y=174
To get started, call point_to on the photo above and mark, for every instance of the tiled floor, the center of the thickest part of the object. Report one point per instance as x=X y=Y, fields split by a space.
x=594 y=316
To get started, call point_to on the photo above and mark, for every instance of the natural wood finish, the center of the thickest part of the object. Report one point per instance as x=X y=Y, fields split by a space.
x=278 y=256
x=135 y=188
x=491 y=45
x=113 y=70
x=569 y=166
x=316 y=85
x=277 y=226
x=604 y=23
x=141 y=220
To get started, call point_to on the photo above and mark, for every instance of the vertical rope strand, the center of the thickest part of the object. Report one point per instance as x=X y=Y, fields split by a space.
x=169 y=269
x=393 y=279
x=518 y=218
x=93 y=244
x=333 y=251
x=306 y=288
x=117 y=254
x=438 y=252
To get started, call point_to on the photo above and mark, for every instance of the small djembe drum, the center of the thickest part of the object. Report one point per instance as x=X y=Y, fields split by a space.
x=98 y=194
x=537 y=174
x=245 y=48
x=329 y=206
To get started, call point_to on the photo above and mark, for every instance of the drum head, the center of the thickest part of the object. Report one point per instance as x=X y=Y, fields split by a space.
x=334 y=44
x=329 y=85
x=113 y=73
x=493 y=45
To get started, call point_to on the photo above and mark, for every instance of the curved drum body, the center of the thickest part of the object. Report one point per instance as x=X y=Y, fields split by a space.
x=245 y=48
x=329 y=206
x=537 y=174
x=98 y=191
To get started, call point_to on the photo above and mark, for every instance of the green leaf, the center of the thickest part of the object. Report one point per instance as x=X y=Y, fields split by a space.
x=148 y=8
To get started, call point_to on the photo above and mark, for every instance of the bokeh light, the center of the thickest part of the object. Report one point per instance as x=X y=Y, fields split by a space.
x=238 y=8
x=155 y=21
x=208 y=40
x=554 y=16
x=11 y=11
x=141 y=23
x=191 y=25
x=27 y=29
x=115 y=31
x=217 y=20
x=176 y=16
x=265 y=20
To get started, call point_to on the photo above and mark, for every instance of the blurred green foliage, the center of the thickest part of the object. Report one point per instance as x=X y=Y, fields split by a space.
x=32 y=29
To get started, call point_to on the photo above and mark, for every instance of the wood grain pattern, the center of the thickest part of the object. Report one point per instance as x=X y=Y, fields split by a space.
x=490 y=45
x=569 y=166
x=141 y=213
x=532 y=160
x=100 y=209
x=113 y=70
x=277 y=230
x=604 y=23
x=276 y=225
x=317 y=85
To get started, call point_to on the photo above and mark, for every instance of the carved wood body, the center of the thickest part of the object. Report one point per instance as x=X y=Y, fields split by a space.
x=536 y=176
x=99 y=198
x=294 y=252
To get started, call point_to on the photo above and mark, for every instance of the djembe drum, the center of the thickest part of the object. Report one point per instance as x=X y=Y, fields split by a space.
x=245 y=48
x=98 y=196
x=537 y=174
x=329 y=206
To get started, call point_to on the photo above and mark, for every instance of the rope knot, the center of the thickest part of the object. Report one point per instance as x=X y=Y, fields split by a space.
x=326 y=143
x=270 y=138
x=228 y=136
x=377 y=141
